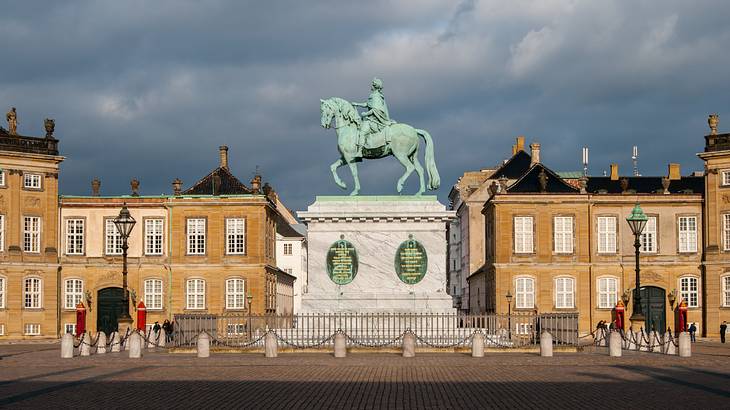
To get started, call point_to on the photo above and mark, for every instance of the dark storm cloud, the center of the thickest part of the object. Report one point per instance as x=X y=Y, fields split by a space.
x=150 y=89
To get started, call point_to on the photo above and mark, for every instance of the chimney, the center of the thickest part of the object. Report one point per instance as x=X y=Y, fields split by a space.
x=674 y=172
x=614 y=172
x=256 y=183
x=223 y=150
x=535 y=153
x=95 y=186
x=177 y=187
x=520 y=144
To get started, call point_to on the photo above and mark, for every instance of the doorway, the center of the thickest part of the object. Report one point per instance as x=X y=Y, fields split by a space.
x=110 y=305
x=654 y=307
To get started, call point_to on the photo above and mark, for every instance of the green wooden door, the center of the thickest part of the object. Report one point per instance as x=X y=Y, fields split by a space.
x=109 y=306
x=654 y=305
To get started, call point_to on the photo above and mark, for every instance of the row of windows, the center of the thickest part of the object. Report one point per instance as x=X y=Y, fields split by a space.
x=563 y=228
x=154 y=236
x=30 y=181
x=31 y=233
x=608 y=288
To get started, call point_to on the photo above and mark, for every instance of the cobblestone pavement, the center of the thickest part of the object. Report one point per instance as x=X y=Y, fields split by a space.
x=36 y=376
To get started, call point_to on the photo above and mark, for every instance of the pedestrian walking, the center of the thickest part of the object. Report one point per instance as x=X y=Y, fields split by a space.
x=692 y=330
x=167 y=327
x=723 y=329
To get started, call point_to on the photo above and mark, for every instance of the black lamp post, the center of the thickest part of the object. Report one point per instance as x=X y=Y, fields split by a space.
x=637 y=222
x=124 y=223
x=249 y=299
x=509 y=314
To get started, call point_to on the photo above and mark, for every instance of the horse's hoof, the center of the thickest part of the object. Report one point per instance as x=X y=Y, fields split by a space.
x=354 y=193
x=341 y=185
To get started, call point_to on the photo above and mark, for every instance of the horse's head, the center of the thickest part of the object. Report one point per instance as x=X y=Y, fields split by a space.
x=328 y=112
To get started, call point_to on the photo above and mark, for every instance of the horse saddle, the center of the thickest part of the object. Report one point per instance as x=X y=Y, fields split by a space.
x=378 y=139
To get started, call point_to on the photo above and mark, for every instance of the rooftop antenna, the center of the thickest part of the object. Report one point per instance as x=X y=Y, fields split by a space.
x=585 y=161
x=635 y=159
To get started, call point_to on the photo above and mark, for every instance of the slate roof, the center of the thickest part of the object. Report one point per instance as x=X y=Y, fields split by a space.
x=288 y=231
x=229 y=185
x=530 y=182
x=646 y=185
x=515 y=167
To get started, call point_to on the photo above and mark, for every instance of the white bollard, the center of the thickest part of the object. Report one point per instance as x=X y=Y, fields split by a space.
x=162 y=340
x=67 y=346
x=203 y=345
x=669 y=347
x=685 y=345
x=270 y=346
x=151 y=341
x=409 y=345
x=657 y=348
x=340 y=345
x=546 y=344
x=101 y=343
x=640 y=345
x=135 y=343
x=614 y=344
x=477 y=345
x=116 y=346
x=602 y=337
x=85 y=347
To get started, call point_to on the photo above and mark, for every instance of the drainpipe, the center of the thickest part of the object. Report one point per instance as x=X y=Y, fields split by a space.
x=58 y=301
x=590 y=266
x=169 y=267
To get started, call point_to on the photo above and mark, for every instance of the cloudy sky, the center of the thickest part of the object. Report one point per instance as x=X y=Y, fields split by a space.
x=151 y=89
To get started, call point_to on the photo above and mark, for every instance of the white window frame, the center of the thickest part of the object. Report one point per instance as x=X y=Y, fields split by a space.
x=687 y=234
x=73 y=292
x=2 y=178
x=649 y=236
x=726 y=231
x=3 y=287
x=689 y=290
x=32 y=181
x=2 y=329
x=288 y=249
x=32 y=234
x=153 y=293
x=236 y=236
x=196 y=236
x=235 y=329
x=195 y=294
x=75 y=228
x=523 y=234
x=71 y=326
x=235 y=293
x=607 y=297
x=563 y=234
x=32 y=329
x=154 y=229
x=725 y=286
x=564 y=292
x=524 y=294
x=2 y=233
x=112 y=238
x=725 y=177
x=607 y=234
x=33 y=294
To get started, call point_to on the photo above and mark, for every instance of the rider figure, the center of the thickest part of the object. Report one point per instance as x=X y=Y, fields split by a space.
x=376 y=117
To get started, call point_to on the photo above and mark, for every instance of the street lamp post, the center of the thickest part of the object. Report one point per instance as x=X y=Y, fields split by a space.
x=637 y=221
x=249 y=299
x=124 y=223
x=509 y=314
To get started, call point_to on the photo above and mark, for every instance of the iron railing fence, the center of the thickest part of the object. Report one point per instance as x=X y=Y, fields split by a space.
x=376 y=329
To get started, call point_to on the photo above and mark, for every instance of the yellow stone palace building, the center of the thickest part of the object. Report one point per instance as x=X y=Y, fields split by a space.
x=210 y=248
x=562 y=244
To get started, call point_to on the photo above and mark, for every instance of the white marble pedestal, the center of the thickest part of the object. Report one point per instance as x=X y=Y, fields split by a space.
x=376 y=226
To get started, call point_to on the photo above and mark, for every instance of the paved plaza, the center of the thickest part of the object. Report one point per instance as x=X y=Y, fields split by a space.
x=35 y=376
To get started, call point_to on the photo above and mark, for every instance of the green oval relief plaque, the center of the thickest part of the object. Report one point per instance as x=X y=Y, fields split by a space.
x=411 y=261
x=342 y=262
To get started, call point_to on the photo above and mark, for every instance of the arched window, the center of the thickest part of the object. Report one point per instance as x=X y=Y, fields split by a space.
x=74 y=292
x=235 y=294
x=564 y=293
x=195 y=294
x=524 y=293
x=32 y=293
x=153 y=294
x=607 y=292
x=689 y=291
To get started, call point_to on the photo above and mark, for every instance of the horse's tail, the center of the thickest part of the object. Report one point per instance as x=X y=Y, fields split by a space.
x=434 y=180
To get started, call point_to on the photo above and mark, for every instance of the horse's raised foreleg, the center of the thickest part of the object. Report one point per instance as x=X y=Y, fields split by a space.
x=353 y=169
x=419 y=171
x=408 y=165
x=340 y=162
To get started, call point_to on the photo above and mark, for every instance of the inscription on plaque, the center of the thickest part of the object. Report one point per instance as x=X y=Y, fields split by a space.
x=411 y=261
x=342 y=262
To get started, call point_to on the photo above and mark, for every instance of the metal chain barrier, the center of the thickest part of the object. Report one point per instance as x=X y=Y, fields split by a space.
x=307 y=346
x=376 y=345
x=449 y=345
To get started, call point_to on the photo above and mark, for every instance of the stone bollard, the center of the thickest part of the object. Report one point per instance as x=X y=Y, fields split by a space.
x=203 y=345
x=340 y=345
x=409 y=345
x=602 y=338
x=546 y=344
x=116 y=346
x=615 y=344
x=640 y=345
x=162 y=340
x=685 y=345
x=477 y=345
x=151 y=341
x=135 y=343
x=101 y=343
x=85 y=345
x=270 y=346
x=67 y=346
x=657 y=347
x=669 y=347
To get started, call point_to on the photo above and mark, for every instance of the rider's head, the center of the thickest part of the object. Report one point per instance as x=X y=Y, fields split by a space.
x=377 y=84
